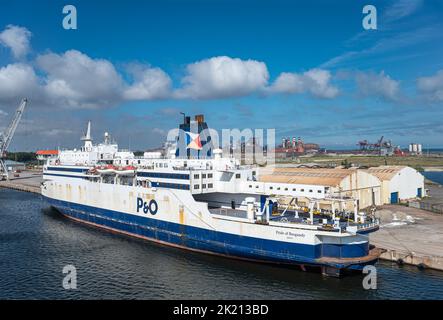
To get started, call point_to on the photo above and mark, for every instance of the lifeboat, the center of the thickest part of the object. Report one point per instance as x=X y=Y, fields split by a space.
x=108 y=169
x=92 y=171
x=126 y=171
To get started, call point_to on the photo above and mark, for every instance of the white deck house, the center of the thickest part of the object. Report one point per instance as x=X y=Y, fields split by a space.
x=320 y=183
x=398 y=183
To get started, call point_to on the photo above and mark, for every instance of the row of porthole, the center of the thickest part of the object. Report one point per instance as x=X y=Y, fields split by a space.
x=197 y=176
x=210 y=186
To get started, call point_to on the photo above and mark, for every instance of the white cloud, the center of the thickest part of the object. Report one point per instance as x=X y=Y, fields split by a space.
x=221 y=77
x=432 y=86
x=17 y=39
x=150 y=83
x=314 y=81
x=16 y=81
x=56 y=132
x=75 y=80
x=3 y=113
x=377 y=84
x=401 y=9
x=159 y=131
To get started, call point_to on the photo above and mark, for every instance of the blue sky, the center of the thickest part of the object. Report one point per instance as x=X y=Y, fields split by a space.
x=305 y=68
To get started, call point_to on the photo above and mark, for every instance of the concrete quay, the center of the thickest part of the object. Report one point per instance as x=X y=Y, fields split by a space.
x=29 y=181
x=411 y=236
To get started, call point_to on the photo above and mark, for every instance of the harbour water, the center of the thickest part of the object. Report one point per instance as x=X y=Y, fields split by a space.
x=36 y=243
x=436 y=176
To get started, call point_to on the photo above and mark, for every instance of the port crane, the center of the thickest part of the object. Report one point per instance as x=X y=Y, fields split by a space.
x=6 y=138
x=367 y=146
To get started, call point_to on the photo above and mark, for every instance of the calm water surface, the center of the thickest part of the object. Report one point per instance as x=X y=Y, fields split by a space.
x=436 y=176
x=36 y=243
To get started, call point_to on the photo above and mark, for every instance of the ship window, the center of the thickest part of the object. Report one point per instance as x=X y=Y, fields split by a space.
x=294 y=189
x=138 y=161
x=310 y=190
x=237 y=176
x=196 y=186
x=302 y=190
x=196 y=176
x=256 y=186
x=203 y=186
x=204 y=175
x=209 y=175
x=271 y=188
x=250 y=186
x=278 y=188
x=319 y=191
x=286 y=189
x=210 y=185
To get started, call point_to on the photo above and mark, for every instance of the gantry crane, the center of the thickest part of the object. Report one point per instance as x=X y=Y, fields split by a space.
x=6 y=138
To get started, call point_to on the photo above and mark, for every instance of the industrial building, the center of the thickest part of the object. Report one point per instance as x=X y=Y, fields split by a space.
x=43 y=155
x=415 y=149
x=322 y=183
x=290 y=149
x=373 y=186
x=398 y=183
x=12 y=166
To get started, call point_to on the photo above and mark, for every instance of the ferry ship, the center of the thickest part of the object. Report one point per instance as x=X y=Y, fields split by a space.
x=207 y=202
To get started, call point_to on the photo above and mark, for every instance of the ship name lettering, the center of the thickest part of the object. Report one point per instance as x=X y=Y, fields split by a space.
x=289 y=233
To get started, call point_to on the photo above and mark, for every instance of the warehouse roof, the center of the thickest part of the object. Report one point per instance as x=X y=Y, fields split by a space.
x=385 y=172
x=321 y=176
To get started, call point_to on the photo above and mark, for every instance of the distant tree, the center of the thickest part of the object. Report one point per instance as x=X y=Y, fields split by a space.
x=25 y=157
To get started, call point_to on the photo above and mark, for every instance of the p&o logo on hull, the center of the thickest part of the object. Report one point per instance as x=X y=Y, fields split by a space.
x=147 y=207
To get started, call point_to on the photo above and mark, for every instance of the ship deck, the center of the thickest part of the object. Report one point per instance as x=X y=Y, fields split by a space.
x=287 y=217
x=229 y=212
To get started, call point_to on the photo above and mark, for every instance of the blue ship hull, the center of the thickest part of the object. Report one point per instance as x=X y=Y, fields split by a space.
x=220 y=243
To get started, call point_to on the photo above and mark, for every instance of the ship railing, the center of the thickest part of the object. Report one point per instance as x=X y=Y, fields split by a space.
x=362 y=226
